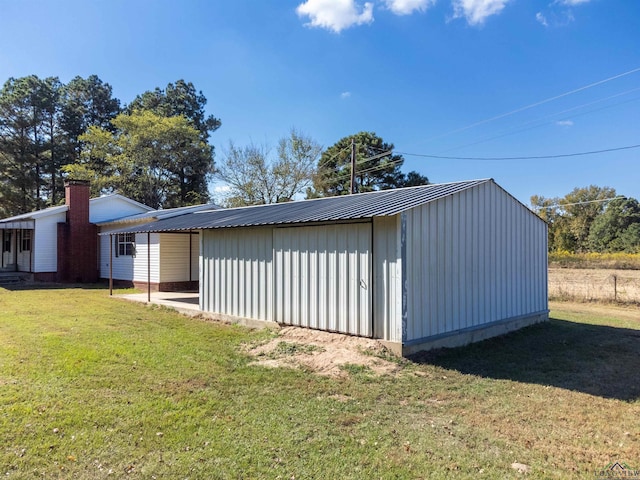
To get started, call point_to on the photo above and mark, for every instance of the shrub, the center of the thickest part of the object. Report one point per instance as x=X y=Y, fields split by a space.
x=618 y=260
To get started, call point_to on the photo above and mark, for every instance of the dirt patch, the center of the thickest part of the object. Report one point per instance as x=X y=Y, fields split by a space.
x=594 y=285
x=324 y=353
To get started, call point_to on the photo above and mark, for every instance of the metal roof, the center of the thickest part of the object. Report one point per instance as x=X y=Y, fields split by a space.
x=37 y=214
x=330 y=209
x=158 y=214
x=63 y=208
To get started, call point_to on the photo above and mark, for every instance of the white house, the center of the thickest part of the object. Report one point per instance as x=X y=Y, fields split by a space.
x=418 y=267
x=168 y=260
x=60 y=243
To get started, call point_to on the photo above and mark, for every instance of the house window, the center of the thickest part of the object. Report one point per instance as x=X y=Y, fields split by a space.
x=25 y=241
x=6 y=244
x=126 y=244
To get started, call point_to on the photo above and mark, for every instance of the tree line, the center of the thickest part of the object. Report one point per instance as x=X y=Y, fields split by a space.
x=591 y=219
x=156 y=150
x=256 y=174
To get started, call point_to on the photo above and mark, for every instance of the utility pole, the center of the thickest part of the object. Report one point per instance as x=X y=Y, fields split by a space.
x=353 y=166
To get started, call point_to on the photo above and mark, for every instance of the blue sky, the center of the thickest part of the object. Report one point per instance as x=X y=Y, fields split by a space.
x=433 y=77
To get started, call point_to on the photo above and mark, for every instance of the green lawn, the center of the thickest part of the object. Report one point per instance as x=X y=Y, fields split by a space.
x=93 y=387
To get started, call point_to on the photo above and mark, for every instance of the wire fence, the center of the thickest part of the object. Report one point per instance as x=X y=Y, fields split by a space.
x=595 y=285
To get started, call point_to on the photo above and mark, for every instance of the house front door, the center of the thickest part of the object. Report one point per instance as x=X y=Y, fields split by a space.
x=24 y=244
x=8 y=257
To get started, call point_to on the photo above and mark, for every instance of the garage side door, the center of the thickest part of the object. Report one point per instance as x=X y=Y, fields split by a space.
x=322 y=277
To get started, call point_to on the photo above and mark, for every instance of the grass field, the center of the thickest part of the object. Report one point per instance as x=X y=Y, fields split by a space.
x=589 y=285
x=93 y=387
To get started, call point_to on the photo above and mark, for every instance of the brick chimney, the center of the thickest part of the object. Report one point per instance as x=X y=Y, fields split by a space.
x=77 y=238
x=76 y=197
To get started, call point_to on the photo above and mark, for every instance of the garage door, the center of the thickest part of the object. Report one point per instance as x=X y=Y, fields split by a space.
x=322 y=277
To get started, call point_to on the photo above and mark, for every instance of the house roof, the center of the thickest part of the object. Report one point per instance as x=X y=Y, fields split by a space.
x=26 y=220
x=110 y=196
x=37 y=214
x=156 y=215
x=330 y=209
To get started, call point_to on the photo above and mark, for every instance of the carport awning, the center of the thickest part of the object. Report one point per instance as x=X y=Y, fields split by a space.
x=20 y=224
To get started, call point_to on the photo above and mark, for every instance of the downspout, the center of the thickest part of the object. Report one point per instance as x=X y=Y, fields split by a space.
x=15 y=249
x=403 y=274
x=372 y=284
x=110 y=264
x=148 y=267
x=201 y=281
x=190 y=255
x=33 y=247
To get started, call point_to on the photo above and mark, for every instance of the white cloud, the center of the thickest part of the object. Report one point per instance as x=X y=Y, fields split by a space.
x=542 y=19
x=571 y=3
x=565 y=123
x=335 y=15
x=558 y=13
x=477 y=11
x=345 y=95
x=407 y=7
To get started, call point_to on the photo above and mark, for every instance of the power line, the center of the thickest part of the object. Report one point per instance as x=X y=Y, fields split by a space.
x=556 y=205
x=525 y=126
x=363 y=161
x=536 y=104
x=385 y=153
x=344 y=174
x=539 y=157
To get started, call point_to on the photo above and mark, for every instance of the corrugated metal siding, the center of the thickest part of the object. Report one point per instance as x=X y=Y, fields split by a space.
x=387 y=273
x=175 y=259
x=236 y=272
x=473 y=258
x=322 y=277
x=140 y=266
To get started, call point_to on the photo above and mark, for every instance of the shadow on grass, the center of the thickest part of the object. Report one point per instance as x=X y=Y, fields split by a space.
x=594 y=359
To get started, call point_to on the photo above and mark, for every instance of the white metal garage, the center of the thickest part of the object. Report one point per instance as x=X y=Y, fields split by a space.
x=418 y=267
x=322 y=277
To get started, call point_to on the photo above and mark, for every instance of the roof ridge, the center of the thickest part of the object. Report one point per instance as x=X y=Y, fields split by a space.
x=359 y=207
x=375 y=192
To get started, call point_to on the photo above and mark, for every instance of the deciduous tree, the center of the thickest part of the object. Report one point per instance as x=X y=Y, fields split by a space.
x=570 y=218
x=255 y=177
x=616 y=229
x=159 y=161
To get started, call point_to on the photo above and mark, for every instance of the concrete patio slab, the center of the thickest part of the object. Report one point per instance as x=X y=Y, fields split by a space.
x=184 y=302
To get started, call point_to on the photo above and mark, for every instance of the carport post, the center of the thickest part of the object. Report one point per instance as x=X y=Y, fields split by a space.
x=110 y=264
x=148 y=267
x=190 y=253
